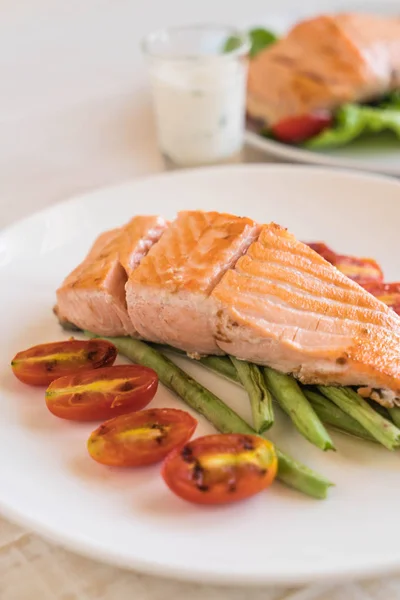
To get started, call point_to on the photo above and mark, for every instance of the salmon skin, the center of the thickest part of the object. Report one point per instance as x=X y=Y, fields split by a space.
x=92 y=297
x=168 y=295
x=213 y=283
x=323 y=63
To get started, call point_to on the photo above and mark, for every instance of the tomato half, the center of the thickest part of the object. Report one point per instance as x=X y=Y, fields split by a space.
x=361 y=270
x=389 y=293
x=40 y=365
x=301 y=128
x=102 y=393
x=217 y=469
x=141 y=438
x=324 y=251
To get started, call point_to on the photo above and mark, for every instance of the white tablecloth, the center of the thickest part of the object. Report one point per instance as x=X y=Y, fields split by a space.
x=75 y=115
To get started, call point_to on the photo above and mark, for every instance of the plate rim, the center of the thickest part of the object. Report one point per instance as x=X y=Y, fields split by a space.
x=187 y=172
x=84 y=546
x=303 y=155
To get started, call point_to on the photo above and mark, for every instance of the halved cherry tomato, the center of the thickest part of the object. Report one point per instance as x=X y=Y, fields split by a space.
x=141 y=438
x=324 y=251
x=217 y=469
x=361 y=270
x=389 y=293
x=101 y=393
x=301 y=128
x=40 y=365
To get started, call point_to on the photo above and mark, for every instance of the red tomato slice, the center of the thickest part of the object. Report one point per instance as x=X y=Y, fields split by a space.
x=102 y=393
x=299 y=129
x=389 y=293
x=217 y=469
x=141 y=438
x=40 y=365
x=324 y=251
x=361 y=270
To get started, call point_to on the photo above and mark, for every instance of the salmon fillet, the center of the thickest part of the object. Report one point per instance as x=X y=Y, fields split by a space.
x=325 y=62
x=92 y=297
x=168 y=294
x=285 y=306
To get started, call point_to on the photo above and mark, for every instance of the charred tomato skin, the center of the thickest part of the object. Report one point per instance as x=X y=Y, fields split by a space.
x=142 y=438
x=221 y=468
x=42 y=364
x=101 y=394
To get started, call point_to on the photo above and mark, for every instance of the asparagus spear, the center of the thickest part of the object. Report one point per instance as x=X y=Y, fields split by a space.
x=290 y=397
x=395 y=415
x=300 y=477
x=253 y=382
x=354 y=405
x=382 y=410
x=328 y=412
x=332 y=415
x=291 y=472
x=219 y=364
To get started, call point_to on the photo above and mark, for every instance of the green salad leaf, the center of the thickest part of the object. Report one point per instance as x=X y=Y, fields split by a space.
x=392 y=100
x=353 y=120
x=232 y=43
x=259 y=39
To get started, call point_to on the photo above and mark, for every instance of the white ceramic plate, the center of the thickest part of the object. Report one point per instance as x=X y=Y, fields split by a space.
x=129 y=517
x=381 y=155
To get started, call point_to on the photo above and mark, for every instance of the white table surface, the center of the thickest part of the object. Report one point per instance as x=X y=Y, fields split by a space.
x=75 y=115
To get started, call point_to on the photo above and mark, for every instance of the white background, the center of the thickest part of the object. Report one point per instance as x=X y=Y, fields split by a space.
x=75 y=111
x=75 y=114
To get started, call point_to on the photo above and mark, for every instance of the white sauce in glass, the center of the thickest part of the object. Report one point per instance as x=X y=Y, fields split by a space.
x=200 y=108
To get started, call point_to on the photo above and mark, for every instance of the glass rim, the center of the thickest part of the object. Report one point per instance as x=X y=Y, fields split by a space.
x=242 y=48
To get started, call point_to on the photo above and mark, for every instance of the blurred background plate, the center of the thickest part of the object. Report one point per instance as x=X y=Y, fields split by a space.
x=380 y=154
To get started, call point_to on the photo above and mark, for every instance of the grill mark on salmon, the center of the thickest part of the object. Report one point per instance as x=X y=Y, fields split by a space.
x=328 y=331
x=168 y=295
x=294 y=278
x=309 y=302
x=93 y=296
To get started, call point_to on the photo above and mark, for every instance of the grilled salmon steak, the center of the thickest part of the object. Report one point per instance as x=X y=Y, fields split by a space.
x=285 y=306
x=168 y=295
x=323 y=63
x=93 y=297
x=215 y=283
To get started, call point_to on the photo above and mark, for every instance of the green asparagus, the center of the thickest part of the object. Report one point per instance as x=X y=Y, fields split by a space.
x=253 y=381
x=221 y=365
x=395 y=415
x=382 y=410
x=327 y=411
x=354 y=405
x=224 y=419
x=290 y=397
x=218 y=364
x=332 y=415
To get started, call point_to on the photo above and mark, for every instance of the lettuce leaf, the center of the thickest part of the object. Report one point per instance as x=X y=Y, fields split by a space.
x=392 y=100
x=354 y=120
x=259 y=39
